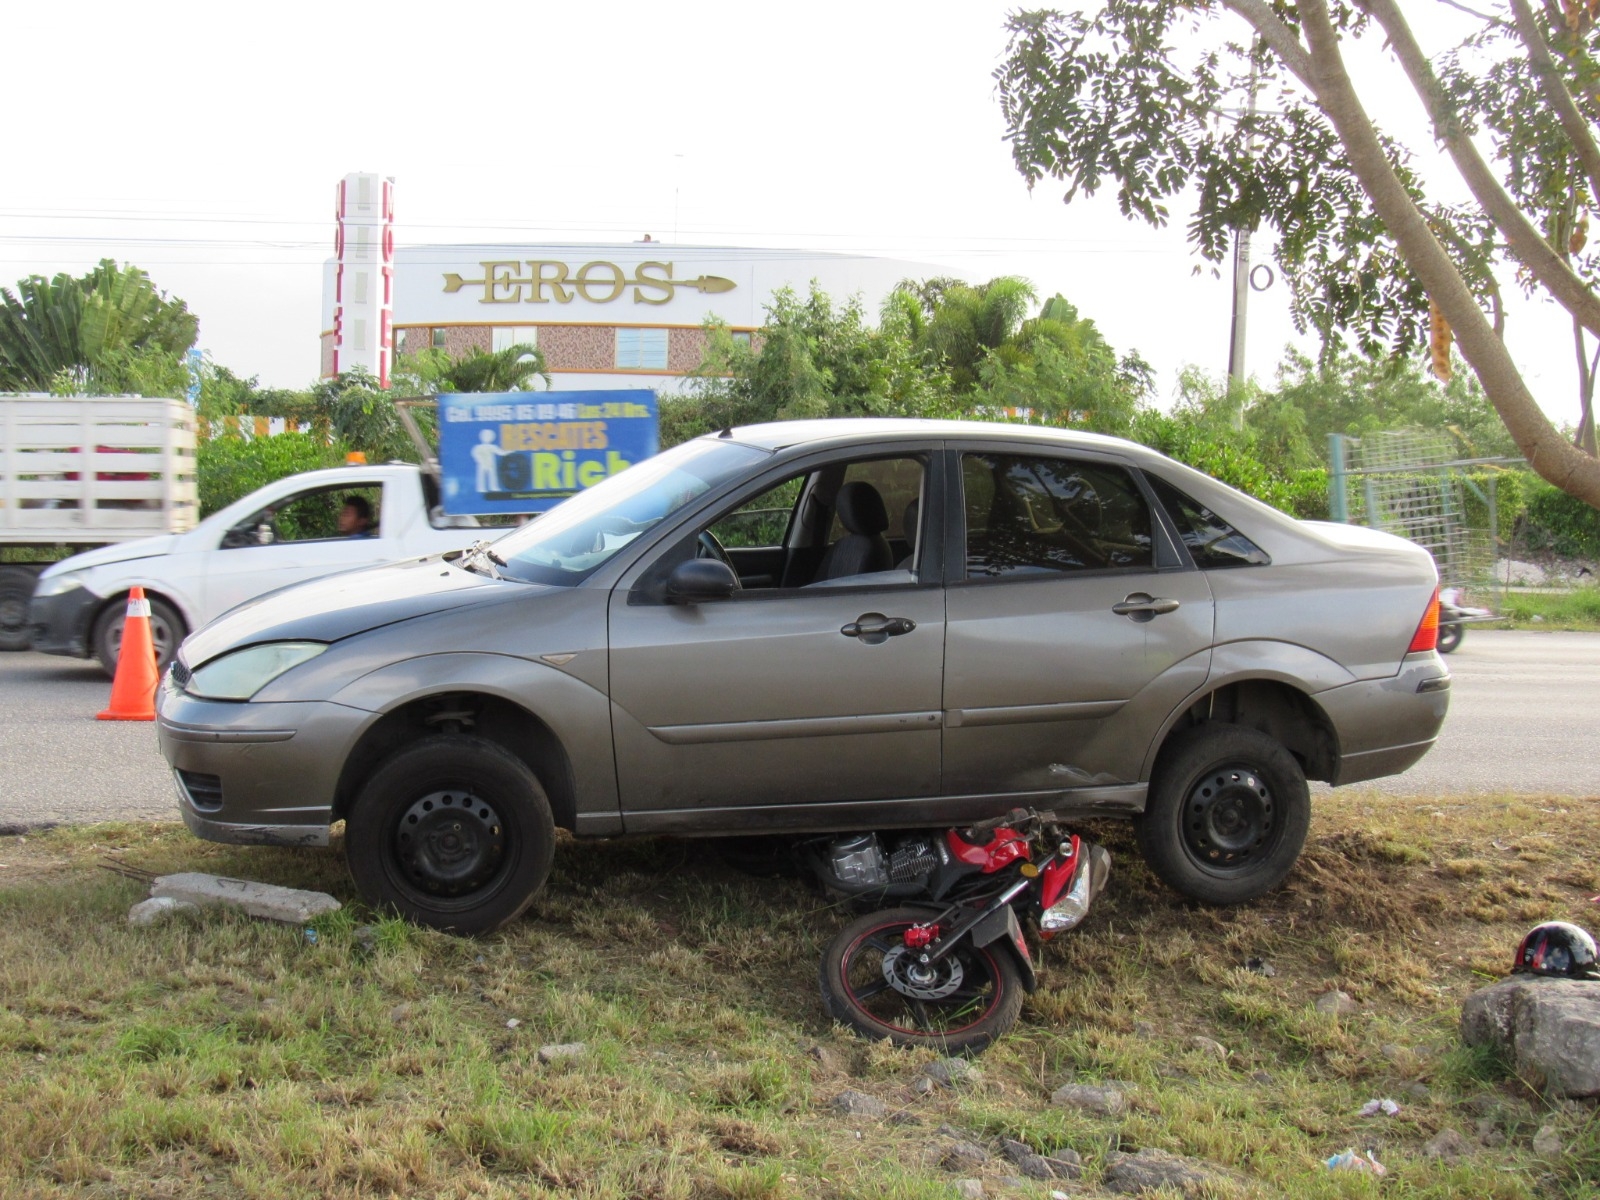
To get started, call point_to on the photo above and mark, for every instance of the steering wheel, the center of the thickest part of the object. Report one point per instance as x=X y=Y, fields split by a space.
x=710 y=547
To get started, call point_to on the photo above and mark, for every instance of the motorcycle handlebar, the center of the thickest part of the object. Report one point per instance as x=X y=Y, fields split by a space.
x=1017 y=816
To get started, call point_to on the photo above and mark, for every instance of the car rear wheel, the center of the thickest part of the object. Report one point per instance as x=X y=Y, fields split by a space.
x=453 y=832
x=166 y=631
x=1227 y=813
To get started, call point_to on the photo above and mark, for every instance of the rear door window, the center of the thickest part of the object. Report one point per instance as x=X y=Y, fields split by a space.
x=1211 y=541
x=1028 y=515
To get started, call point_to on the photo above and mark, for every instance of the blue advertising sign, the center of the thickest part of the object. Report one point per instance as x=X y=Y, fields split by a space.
x=525 y=452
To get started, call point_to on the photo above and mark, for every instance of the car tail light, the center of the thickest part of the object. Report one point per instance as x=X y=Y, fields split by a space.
x=1427 y=635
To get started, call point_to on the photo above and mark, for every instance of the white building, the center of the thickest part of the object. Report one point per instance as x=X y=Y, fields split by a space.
x=604 y=315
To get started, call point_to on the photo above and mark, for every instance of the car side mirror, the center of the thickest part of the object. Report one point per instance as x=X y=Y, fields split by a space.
x=700 y=579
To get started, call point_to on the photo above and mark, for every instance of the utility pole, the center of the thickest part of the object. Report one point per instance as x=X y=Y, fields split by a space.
x=1241 y=269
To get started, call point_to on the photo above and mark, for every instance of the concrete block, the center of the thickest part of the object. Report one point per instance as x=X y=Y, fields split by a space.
x=150 y=912
x=265 y=900
x=549 y=1054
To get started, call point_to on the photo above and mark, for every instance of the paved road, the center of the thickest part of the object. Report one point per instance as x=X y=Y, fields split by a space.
x=1523 y=719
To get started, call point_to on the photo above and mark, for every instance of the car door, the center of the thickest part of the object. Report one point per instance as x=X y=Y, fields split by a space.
x=294 y=539
x=796 y=700
x=1074 y=625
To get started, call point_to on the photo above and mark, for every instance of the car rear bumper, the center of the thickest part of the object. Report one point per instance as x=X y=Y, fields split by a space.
x=1386 y=725
x=61 y=622
x=253 y=774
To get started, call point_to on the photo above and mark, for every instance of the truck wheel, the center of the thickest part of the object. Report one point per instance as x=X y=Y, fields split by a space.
x=16 y=589
x=1227 y=814
x=166 y=631
x=453 y=832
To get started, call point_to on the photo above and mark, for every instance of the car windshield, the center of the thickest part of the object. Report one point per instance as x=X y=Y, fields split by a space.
x=575 y=538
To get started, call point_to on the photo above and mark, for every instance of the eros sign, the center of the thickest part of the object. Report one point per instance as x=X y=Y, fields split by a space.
x=539 y=281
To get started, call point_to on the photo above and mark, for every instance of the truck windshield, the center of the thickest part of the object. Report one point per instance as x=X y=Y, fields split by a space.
x=575 y=538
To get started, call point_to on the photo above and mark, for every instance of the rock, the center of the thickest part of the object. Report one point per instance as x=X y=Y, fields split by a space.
x=266 y=900
x=1086 y=1097
x=150 y=912
x=824 y=1058
x=1547 y=1142
x=1260 y=966
x=1419 y=1092
x=365 y=938
x=1548 y=1029
x=1264 y=1078
x=1489 y=1133
x=1145 y=1030
x=1066 y=1163
x=969 y=1189
x=1151 y=1169
x=1028 y=1161
x=1339 y=1004
x=859 y=1104
x=923 y=1086
x=963 y=1156
x=400 y=1013
x=901 y=1117
x=1391 y=1052
x=954 y=1072
x=1447 y=1145
x=1209 y=1046
x=549 y=1054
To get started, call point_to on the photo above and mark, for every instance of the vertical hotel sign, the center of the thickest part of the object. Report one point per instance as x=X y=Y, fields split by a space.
x=363 y=281
x=525 y=452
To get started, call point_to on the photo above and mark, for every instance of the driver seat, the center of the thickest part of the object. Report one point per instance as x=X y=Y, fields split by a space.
x=863 y=548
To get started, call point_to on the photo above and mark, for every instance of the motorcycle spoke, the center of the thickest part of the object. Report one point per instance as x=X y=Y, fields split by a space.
x=881 y=943
x=919 y=1013
x=872 y=989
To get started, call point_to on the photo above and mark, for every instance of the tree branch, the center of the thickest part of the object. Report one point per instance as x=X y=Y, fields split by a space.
x=1486 y=18
x=1278 y=36
x=1525 y=242
x=1557 y=96
x=1547 y=452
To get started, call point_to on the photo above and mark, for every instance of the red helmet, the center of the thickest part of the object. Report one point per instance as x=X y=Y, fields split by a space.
x=1557 y=948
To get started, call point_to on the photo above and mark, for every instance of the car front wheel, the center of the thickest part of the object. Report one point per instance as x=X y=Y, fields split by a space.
x=1227 y=813
x=453 y=832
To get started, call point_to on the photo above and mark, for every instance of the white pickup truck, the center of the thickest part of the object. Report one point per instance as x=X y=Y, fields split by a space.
x=280 y=534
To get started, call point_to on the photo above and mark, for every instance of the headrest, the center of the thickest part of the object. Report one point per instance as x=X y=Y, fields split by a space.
x=861 y=509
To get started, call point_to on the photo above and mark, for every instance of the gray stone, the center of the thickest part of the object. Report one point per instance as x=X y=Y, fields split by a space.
x=963 y=1156
x=149 y=912
x=1419 y=1092
x=1066 y=1163
x=954 y=1072
x=366 y=938
x=266 y=900
x=901 y=1117
x=1086 y=1097
x=1151 y=1169
x=1392 y=1053
x=549 y=1054
x=1490 y=1133
x=1547 y=1142
x=859 y=1104
x=923 y=1086
x=1264 y=1078
x=1447 y=1145
x=1209 y=1046
x=1145 y=1030
x=969 y=1189
x=1549 y=1029
x=1030 y=1163
x=1339 y=1004
x=824 y=1058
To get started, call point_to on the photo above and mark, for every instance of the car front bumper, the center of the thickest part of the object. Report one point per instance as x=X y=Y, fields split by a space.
x=61 y=622
x=256 y=774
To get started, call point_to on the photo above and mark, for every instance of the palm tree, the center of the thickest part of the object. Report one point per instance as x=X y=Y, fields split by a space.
x=510 y=370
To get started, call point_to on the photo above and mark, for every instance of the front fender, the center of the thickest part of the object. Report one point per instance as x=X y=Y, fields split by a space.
x=576 y=712
x=1002 y=927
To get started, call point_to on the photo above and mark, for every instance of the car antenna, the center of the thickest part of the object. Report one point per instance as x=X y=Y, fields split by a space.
x=726 y=433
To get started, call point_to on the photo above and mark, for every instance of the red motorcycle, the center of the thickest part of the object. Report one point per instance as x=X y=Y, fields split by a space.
x=949 y=966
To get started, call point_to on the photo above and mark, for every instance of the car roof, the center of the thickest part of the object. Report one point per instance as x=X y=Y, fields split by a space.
x=784 y=435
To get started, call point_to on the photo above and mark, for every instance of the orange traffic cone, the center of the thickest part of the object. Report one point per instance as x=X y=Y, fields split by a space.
x=133 y=689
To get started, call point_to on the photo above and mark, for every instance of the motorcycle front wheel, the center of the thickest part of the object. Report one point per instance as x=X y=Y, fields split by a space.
x=873 y=983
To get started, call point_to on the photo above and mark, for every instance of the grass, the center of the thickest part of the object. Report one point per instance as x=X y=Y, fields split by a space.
x=1578 y=609
x=218 y=1056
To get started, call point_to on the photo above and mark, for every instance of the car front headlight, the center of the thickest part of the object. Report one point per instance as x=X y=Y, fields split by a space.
x=243 y=673
x=55 y=585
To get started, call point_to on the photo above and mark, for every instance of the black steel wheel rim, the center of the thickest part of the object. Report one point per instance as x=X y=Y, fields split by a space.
x=1230 y=819
x=871 y=987
x=450 y=844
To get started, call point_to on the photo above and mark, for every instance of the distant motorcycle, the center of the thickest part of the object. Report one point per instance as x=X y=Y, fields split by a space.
x=1454 y=618
x=948 y=967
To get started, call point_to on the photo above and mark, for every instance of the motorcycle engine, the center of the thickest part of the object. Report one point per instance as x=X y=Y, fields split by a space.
x=914 y=860
x=857 y=861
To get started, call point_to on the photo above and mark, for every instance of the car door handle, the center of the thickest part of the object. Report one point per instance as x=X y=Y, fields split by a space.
x=874 y=628
x=1140 y=607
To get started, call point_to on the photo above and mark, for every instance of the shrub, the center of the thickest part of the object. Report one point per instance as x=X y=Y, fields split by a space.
x=1561 y=523
x=230 y=467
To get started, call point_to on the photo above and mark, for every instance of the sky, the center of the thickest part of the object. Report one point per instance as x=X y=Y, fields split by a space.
x=203 y=142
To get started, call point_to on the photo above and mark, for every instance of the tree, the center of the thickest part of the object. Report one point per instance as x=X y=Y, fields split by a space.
x=109 y=330
x=1138 y=96
x=433 y=371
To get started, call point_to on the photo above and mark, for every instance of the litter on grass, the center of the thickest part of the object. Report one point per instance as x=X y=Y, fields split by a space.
x=1351 y=1161
x=1385 y=1106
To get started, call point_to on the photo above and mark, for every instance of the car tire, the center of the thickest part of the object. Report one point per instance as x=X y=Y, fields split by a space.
x=16 y=592
x=167 y=631
x=1450 y=637
x=1227 y=814
x=453 y=832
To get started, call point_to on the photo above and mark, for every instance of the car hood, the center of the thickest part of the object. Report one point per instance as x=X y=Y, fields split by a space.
x=150 y=547
x=340 y=606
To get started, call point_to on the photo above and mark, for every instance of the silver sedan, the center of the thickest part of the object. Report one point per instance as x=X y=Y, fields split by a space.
x=820 y=627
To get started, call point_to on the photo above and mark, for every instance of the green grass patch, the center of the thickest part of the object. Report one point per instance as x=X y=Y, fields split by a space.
x=220 y=1056
x=1576 y=610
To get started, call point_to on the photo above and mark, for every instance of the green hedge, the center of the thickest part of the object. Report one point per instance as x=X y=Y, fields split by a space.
x=227 y=468
x=1560 y=523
